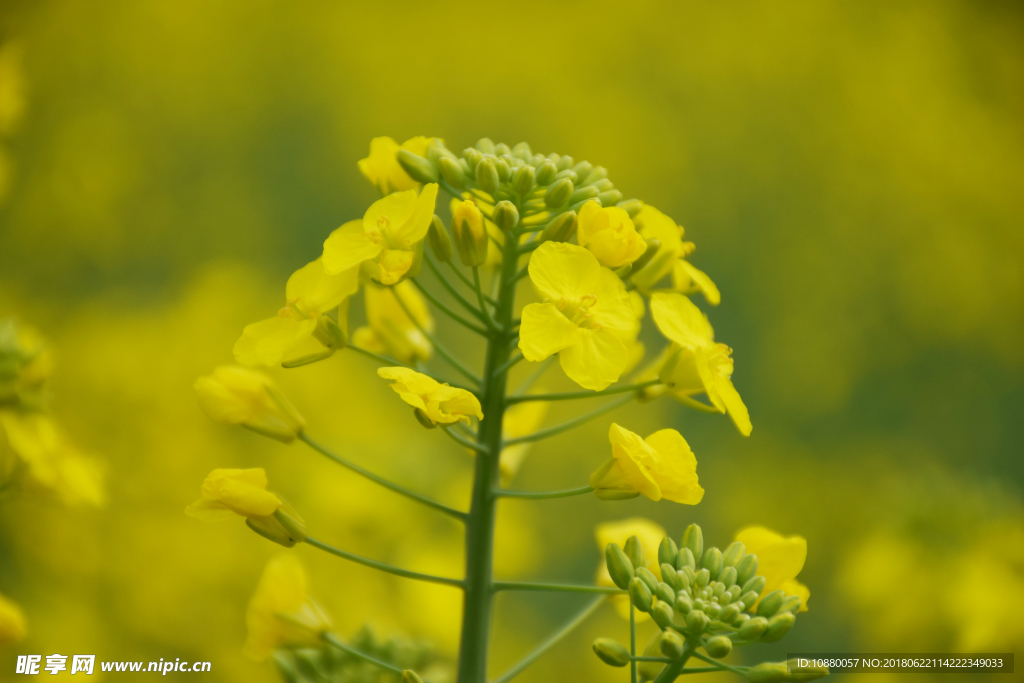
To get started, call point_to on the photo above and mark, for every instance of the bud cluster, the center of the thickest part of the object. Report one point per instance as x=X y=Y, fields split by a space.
x=327 y=663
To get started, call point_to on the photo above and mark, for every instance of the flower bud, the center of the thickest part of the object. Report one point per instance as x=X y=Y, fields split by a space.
x=504 y=170
x=487 y=176
x=237 y=395
x=670 y=576
x=667 y=552
x=522 y=180
x=597 y=174
x=619 y=566
x=683 y=603
x=418 y=168
x=728 y=576
x=604 y=185
x=611 y=652
x=634 y=550
x=662 y=614
x=583 y=194
x=791 y=604
x=648 y=577
x=409 y=676
x=566 y=174
x=685 y=559
x=439 y=241
x=755 y=584
x=718 y=646
x=735 y=591
x=609 y=197
x=582 y=170
x=696 y=622
x=501 y=148
x=746 y=569
x=485 y=145
x=284 y=527
x=753 y=629
x=800 y=674
x=712 y=609
x=733 y=554
x=505 y=216
x=423 y=418
x=452 y=173
x=713 y=562
x=472 y=157
x=778 y=626
x=693 y=539
x=561 y=228
x=703 y=578
x=558 y=193
x=748 y=598
x=768 y=672
x=546 y=173
x=469 y=233
x=631 y=206
x=665 y=593
x=653 y=246
x=640 y=594
x=691 y=576
x=565 y=163
x=671 y=645
x=770 y=603
x=729 y=614
x=523 y=151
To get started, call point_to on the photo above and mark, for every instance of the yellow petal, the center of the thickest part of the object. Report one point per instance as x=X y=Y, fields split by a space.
x=394 y=264
x=280 y=611
x=317 y=290
x=734 y=404
x=609 y=234
x=596 y=360
x=680 y=320
x=562 y=270
x=414 y=229
x=649 y=533
x=240 y=491
x=675 y=470
x=685 y=277
x=348 y=246
x=544 y=331
x=634 y=461
x=268 y=342
x=779 y=559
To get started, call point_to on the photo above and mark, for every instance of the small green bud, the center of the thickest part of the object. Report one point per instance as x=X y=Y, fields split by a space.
x=749 y=598
x=409 y=676
x=566 y=174
x=609 y=197
x=582 y=169
x=452 y=173
x=672 y=645
x=778 y=626
x=729 y=614
x=565 y=163
x=742 y=619
x=799 y=674
x=439 y=240
x=418 y=168
x=631 y=206
x=648 y=577
x=697 y=622
x=436 y=152
x=670 y=576
x=768 y=672
x=582 y=194
x=770 y=603
x=523 y=151
x=604 y=185
x=522 y=179
x=485 y=145
x=561 y=228
x=634 y=550
x=755 y=584
x=717 y=588
x=718 y=646
x=472 y=157
x=501 y=148
x=690 y=575
x=746 y=569
x=713 y=562
x=487 y=176
x=703 y=578
x=536 y=160
x=611 y=652
x=665 y=592
x=699 y=603
x=684 y=604
x=735 y=591
x=733 y=554
x=693 y=539
x=713 y=609
x=285 y=527
x=791 y=604
x=515 y=162
x=725 y=599
x=619 y=566
x=668 y=551
x=685 y=559
x=423 y=419
x=558 y=193
x=728 y=576
x=546 y=173
x=662 y=614
x=753 y=629
x=504 y=170
x=505 y=216
x=640 y=594
x=598 y=173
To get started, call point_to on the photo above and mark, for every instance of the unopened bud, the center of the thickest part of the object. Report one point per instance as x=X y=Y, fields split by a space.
x=409 y=676
x=485 y=145
x=469 y=233
x=733 y=554
x=284 y=527
x=558 y=193
x=611 y=652
x=634 y=550
x=713 y=562
x=746 y=569
x=748 y=598
x=640 y=594
x=768 y=672
x=502 y=148
x=561 y=228
x=487 y=176
x=522 y=180
x=631 y=206
x=439 y=240
x=582 y=169
x=619 y=566
x=423 y=418
x=791 y=604
x=671 y=645
x=546 y=173
x=690 y=575
x=472 y=157
x=523 y=151
x=696 y=622
x=667 y=552
x=418 y=168
x=728 y=576
x=571 y=175
x=770 y=603
x=505 y=216
x=685 y=559
x=596 y=174
x=755 y=584
x=718 y=646
x=609 y=197
x=703 y=578
x=683 y=603
x=648 y=577
x=778 y=626
x=670 y=576
x=693 y=539
x=665 y=592
x=603 y=185
x=662 y=614
x=729 y=614
x=582 y=194
x=565 y=162
x=713 y=609
x=504 y=169
x=753 y=629
x=452 y=173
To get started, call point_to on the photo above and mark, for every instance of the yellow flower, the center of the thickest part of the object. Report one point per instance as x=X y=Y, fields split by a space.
x=779 y=560
x=697 y=364
x=390 y=329
x=670 y=258
x=228 y=492
x=660 y=466
x=649 y=533
x=53 y=464
x=389 y=238
x=609 y=234
x=382 y=168
x=586 y=317
x=236 y=395
x=301 y=332
x=438 y=402
x=12 y=622
x=520 y=419
x=280 y=611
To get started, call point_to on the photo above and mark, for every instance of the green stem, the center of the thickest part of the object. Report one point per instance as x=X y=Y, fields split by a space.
x=387 y=360
x=380 y=566
x=552 y=640
x=719 y=665
x=330 y=638
x=469 y=283
x=480 y=299
x=672 y=671
x=583 y=394
x=541 y=495
x=566 y=426
x=696 y=405
x=454 y=292
x=441 y=350
x=554 y=587
x=450 y=313
x=458 y=514
x=510 y=363
x=632 y=642
x=463 y=441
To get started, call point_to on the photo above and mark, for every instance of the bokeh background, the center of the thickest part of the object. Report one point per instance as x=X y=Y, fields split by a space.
x=853 y=176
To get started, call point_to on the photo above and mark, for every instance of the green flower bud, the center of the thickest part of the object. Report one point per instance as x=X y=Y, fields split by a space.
x=634 y=550
x=596 y=174
x=504 y=170
x=485 y=145
x=728 y=576
x=770 y=603
x=699 y=603
x=487 y=176
x=452 y=173
x=665 y=592
x=755 y=584
x=717 y=588
x=611 y=652
x=685 y=559
x=472 y=157
x=670 y=576
x=603 y=185
x=561 y=228
x=729 y=614
x=582 y=194
x=505 y=216
x=523 y=151
x=725 y=599
x=546 y=173
x=284 y=527
x=609 y=197
x=439 y=241
x=536 y=160
x=631 y=206
x=565 y=163
x=800 y=674
x=768 y=672
x=582 y=169
x=735 y=591
x=690 y=575
x=558 y=193
x=703 y=577
x=640 y=594
x=694 y=540
x=619 y=566
x=746 y=569
x=697 y=622
x=423 y=419
x=753 y=629
x=733 y=554
x=749 y=598
x=791 y=604
x=668 y=551
x=718 y=646
x=409 y=676
x=778 y=626
x=522 y=179
x=418 y=168
x=713 y=562
x=571 y=175
x=683 y=603
x=742 y=619
x=502 y=148
x=662 y=614
x=671 y=645
x=648 y=577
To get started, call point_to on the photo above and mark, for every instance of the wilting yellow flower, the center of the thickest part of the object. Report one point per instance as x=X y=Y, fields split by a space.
x=236 y=395
x=698 y=364
x=382 y=168
x=390 y=329
x=438 y=402
x=779 y=560
x=649 y=533
x=389 y=238
x=670 y=258
x=280 y=611
x=586 y=317
x=609 y=234
x=519 y=420
x=12 y=622
x=226 y=493
x=53 y=464
x=302 y=332
x=660 y=466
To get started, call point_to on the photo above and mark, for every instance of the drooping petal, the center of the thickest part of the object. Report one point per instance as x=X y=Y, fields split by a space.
x=596 y=360
x=686 y=277
x=562 y=270
x=676 y=467
x=348 y=246
x=544 y=331
x=680 y=320
x=734 y=405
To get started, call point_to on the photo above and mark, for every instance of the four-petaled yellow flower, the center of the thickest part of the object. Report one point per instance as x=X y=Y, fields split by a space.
x=779 y=560
x=440 y=403
x=388 y=241
x=697 y=364
x=670 y=258
x=660 y=466
x=649 y=534
x=586 y=317
x=281 y=612
x=236 y=395
x=302 y=332
x=12 y=622
x=382 y=168
x=390 y=329
x=609 y=234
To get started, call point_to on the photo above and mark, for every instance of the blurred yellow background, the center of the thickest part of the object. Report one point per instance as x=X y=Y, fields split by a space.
x=851 y=172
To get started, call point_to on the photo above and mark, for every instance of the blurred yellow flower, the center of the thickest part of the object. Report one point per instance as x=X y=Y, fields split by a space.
x=609 y=234
x=660 y=466
x=382 y=168
x=438 y=402
x=698 y=364
x=12 y=622
x=670 y=258
x=236 y=395
x=301 y=332
x=389 y=238
x=586 y=316
x=649 y=533
x=520 y=419
x=779 y=560
x=228 y=492
x=390 y=329
x=280 y=612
